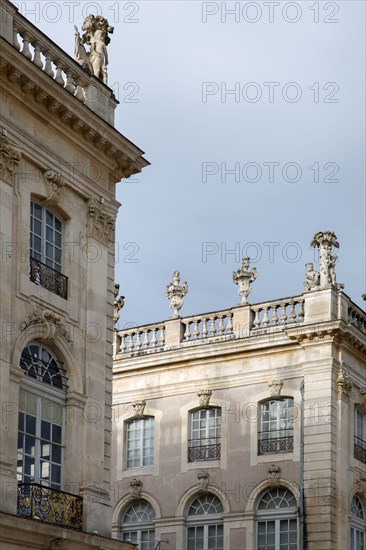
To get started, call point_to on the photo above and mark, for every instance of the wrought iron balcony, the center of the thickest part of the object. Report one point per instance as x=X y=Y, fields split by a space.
x=49 y=278
x=269 y=443
x=359 y=451
x=50 y=505
x=198 y=450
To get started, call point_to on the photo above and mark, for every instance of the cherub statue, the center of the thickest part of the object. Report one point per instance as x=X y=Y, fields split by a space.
x=312 y=278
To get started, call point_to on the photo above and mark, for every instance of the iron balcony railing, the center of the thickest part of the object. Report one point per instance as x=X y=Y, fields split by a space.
x=50 y=505
x=275 y=442
x=204 y=449
x=360 y=449
x=49 y=278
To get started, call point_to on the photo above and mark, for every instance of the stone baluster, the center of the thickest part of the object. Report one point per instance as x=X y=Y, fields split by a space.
x=37 y=54
x=16 y=42
x=79 y=93
x=292 y=312
x=145 y=343
x=229 y=326
x=153 y=338
x=265 y=320
x=204 y=328
x=187 y=332
x=196 y=331
x=283 y=317
x=123 y=343
x=274 y=315
x=301 y=310
x=70 y=86
x=162 y=336
x=130 y=341
x=221 y=325
x=212 y=330
x=59 y=78
x=48 y=64
x=256 y=321
x=26 y=40
x=138 y=343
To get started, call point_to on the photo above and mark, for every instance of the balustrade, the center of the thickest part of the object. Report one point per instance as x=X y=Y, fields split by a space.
x=272 y=314
x=150 y=337
x=357 y=317
x=208 y=326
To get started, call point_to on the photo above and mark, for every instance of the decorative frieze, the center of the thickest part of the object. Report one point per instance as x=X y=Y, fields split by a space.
x=101 y=220
x=176 y=292
x=50 y=322
x=9 y=158
x=139 y=408
x=204 y=397
x=274 y=474
x=275 y=388
x=203 y=481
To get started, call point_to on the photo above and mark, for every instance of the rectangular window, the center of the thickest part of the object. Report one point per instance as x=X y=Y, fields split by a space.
x=276 y=426
x=357 y=539
x=359 y=435
x=46 y=243
x=140 y=443
x=40 y=449
x=205 y=435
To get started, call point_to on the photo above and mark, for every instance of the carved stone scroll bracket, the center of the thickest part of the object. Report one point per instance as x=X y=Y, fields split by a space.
x=9 y=158
x=50 y=324
x=136 y=487
x=362 y=394
x=139 y=408
x=344 y=384
x=274 y=474
x=203 y=480
x=275 y=388
x=54 y=183
x=204 y=397
x=101 y=220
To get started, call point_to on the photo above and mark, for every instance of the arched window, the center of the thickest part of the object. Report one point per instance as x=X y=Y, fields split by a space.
x=276 y=426
x=204 y=524
x=41 y=418
x=138 y=525
x=358 y=525
x=205 y=434
x=139 y=442
x=277 y=520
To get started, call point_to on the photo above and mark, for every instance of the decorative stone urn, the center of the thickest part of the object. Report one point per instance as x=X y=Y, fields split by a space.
x=176 y=292
x=244 y=278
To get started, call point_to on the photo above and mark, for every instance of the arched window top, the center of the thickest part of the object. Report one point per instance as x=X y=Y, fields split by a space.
x=140 y=512
x=205 y=505
x=357 y=508
x=277 y=498
x=40 y=364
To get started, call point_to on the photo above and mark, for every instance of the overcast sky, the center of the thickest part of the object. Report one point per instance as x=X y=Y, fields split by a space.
x=254 y=172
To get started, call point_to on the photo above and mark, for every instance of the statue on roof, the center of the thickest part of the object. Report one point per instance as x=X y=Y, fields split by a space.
x=326 y=277
x=244 y=278
x=95 y=61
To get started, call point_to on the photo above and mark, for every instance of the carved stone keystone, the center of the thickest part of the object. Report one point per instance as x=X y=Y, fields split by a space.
x=139 y=407
x=136 y=487
x=274 y=474
x=204 y=396
x=203 y=480
x=275 y=387
x=50 y=322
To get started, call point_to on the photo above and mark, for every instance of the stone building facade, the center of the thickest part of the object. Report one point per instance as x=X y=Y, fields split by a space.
x=244 y=429
x=60 y=159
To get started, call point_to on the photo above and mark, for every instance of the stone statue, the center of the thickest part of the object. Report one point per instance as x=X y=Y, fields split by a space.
x=95 y=35
x=325 y=241
x=175 y=292
x=312 y=278
x=118 y=303
x=243 y=277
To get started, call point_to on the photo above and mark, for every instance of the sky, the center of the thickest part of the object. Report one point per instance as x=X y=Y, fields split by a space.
x=252 y=115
